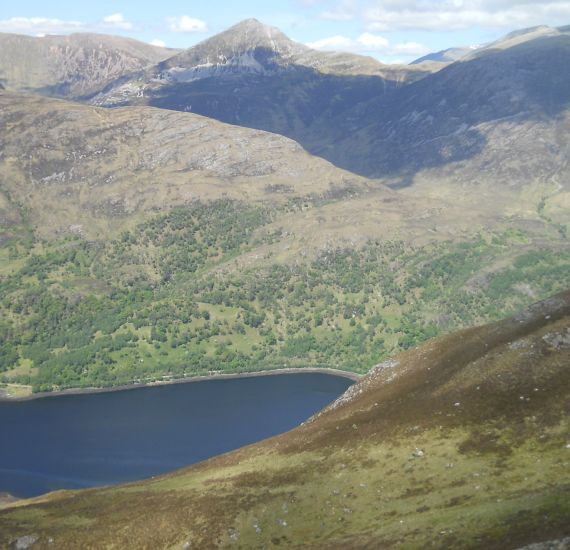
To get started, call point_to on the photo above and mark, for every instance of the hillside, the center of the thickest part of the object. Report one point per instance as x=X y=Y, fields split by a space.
x=446 y=56
x=499 y=118
x=71 y=66
x=498 y=115
x=90 y=171
x=253 y=75
x=137 y=244
x=520 y=37
x=511 y=39
x=461 y=442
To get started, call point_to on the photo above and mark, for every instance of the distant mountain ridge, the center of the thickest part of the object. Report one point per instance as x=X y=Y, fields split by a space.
x=384 y=122
x=498 y=117
x=448 y=55
x=253 y=75
x=74 y=65
x=252 y=47
x=525 y=35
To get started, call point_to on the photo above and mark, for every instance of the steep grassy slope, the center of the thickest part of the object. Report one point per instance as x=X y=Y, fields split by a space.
x=461 y=442
x=71 y=66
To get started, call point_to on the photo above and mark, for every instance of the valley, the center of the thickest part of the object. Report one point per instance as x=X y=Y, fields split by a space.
x=250 y=205
x=461 y=441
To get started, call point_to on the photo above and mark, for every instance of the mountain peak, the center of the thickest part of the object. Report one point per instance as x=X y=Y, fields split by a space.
x=251 y=23
x=538 y=29
x=248 y=46
x=523 y=35
x=250 y=34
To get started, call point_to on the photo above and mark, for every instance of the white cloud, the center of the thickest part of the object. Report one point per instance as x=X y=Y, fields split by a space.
x=337 y=42
x=373 y=42
x=442 y=15
x=390 y=15
x=184 y=23
x=409 y=48
x=44 y=25
x=337 y=15
x=344 y=10
x=117 y=21
x=39 y=25
x=368 y=43
x=159 y=43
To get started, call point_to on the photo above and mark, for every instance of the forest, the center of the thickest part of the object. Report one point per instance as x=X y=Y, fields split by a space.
x=172 y=297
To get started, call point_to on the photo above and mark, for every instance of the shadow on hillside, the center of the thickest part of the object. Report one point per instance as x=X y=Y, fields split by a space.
x=377 y=127
x=287 y=103
x=436 y=121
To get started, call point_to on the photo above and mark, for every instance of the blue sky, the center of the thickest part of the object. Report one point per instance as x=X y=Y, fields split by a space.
x=390 y=30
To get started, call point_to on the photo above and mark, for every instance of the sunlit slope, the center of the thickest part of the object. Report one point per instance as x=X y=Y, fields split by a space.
x=84 y=170
x=74 y=66
x=459 y=443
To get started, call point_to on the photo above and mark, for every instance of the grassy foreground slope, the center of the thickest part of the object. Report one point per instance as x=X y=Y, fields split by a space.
x=462 y=442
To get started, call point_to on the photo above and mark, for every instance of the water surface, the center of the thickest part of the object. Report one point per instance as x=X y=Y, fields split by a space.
x=76 y=441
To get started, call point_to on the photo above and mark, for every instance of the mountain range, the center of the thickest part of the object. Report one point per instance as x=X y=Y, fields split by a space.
x=494 y=122
x=482 y=119
x=253 y=75
x=485 y=118
x=379 y=121
x=250 y=203
x=71 y=66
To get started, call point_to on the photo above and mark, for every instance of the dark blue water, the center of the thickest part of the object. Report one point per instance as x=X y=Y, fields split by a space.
x=77 y=441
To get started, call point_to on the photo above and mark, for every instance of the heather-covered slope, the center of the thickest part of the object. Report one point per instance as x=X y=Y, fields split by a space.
x=462 y=442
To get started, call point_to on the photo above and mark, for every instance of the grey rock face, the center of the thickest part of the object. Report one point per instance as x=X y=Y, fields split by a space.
x=71 y=66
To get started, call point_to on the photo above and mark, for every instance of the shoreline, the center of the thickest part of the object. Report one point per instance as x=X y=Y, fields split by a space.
x=201 y=378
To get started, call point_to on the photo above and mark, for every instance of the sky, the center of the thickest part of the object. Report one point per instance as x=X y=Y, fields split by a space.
x=393 y=31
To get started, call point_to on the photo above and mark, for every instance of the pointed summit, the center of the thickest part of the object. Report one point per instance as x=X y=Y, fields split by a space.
x=248 y=46
x=251 y=33
x=250 y=24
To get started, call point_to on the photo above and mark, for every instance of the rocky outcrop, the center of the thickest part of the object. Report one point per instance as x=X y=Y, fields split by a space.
x=71 y=66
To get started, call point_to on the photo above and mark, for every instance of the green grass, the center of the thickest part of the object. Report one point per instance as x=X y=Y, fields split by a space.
x=168 y=283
